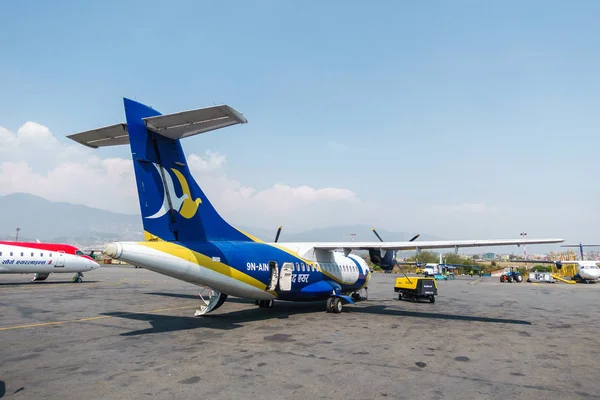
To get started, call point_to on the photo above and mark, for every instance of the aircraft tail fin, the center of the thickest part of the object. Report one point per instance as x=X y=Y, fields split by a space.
x=173 y=206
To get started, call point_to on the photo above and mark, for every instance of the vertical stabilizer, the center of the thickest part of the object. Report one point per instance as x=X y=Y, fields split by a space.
x=173 y=206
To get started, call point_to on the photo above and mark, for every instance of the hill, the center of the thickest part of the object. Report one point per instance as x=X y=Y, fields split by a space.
x=84 y=226
x=45 y=220
x=63 y=222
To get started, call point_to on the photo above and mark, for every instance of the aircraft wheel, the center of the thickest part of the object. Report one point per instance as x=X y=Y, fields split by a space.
x=329 y=304
x=79 y=280
x=432 y=299
x=337 y=305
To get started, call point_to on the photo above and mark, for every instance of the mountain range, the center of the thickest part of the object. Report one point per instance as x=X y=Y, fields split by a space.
x=47 y=221
x=44 y=220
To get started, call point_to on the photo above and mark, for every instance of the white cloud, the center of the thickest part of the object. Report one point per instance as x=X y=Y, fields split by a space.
x=35 y=162
x=212 y=162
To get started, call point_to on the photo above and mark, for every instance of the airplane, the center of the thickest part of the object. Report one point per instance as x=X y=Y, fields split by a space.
x=586 y=271
x=43 y=259
x=186 y=238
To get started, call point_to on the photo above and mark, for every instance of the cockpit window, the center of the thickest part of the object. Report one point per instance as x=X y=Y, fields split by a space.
x=79 y=253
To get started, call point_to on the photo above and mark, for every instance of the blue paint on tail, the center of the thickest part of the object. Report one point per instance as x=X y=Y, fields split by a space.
x=173 y=206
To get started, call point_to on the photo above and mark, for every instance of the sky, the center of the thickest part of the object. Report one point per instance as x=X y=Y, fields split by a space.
x=460 y=119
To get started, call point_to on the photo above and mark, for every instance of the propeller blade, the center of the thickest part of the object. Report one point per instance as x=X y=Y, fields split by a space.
x=277 y=236
x=377 y=234
x=414 y=238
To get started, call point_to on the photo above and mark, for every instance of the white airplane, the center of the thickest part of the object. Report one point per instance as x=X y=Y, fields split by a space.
x=187 y=239
x=43 y=259
x=587 y=271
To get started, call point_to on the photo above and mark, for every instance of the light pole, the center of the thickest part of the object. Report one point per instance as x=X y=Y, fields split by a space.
x=17 y=238
x=523 y=234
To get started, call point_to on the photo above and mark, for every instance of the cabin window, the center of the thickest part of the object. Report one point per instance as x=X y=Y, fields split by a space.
x=50 y=254
x=31 y=254
x=21 y=254
x=41 y=254
x=0 y=254
x=11 y=253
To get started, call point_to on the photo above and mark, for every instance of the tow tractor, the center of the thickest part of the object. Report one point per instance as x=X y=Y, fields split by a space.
x=511 y=274
x=416 y=288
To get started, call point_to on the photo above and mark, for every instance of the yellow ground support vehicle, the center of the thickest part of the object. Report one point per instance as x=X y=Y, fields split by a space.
x=415 y=288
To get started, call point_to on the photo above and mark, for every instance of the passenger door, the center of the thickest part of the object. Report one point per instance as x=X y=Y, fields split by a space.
x=274 y=275
x=60 y=259
x=285 y=277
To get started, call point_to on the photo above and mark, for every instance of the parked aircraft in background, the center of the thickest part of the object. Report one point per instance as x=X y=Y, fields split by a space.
x=187 y=239
x=586 y=271
x=43 y=259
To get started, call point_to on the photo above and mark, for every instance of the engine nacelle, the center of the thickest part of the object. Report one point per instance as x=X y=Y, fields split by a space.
x=386 y=263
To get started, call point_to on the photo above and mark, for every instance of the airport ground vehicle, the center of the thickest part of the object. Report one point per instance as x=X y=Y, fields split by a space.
x=511 y=274
x=415 y=288
x=541 y=277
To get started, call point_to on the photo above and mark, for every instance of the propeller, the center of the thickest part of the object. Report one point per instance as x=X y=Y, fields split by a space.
x=278 y=232
x=396 y=251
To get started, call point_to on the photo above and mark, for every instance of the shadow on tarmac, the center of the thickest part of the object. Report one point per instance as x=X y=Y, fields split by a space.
x=281 y=310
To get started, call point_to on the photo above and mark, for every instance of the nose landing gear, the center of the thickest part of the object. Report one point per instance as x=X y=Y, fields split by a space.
x=78 y=278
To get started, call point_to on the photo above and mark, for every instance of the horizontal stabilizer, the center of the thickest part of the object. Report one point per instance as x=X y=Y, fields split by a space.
x=113 y=135
x=189 y=123
x=172 y=126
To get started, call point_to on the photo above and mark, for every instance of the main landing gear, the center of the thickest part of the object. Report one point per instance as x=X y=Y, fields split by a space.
x=78 y=278
x=334 y=305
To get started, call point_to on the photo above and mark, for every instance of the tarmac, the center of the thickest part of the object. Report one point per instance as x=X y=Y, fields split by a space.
x=128 y=333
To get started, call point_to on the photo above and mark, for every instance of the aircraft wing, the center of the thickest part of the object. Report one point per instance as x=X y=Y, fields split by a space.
x=439 y=244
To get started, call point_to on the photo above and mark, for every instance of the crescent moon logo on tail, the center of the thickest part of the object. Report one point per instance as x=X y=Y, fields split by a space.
x=184 y=205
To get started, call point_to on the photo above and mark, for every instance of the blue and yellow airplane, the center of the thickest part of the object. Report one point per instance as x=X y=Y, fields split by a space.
x=187 y=239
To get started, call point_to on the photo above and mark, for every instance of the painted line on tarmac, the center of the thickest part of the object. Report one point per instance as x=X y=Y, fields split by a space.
x=475 y=281
x=6 y=328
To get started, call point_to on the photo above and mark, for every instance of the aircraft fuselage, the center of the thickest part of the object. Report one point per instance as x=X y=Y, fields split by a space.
x=246 y=269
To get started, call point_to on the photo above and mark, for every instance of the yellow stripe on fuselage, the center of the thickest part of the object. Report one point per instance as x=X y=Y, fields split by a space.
x=200 y=259
x=254 y=238
x=225 y=269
